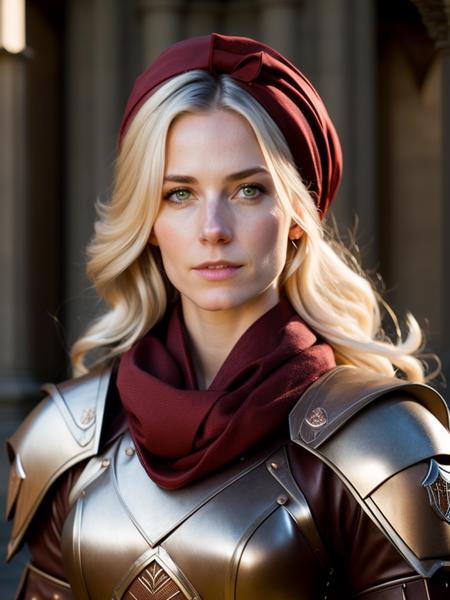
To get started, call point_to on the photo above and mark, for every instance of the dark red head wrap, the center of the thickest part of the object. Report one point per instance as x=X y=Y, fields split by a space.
x=275 y=83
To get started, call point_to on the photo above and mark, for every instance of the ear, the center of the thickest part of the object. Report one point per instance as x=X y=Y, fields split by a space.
x=295 y=232
x=153 y=240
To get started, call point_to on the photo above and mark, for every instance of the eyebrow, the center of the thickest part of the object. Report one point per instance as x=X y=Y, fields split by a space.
x=232 y=177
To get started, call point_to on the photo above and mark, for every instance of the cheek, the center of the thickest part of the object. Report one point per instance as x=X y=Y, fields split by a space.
x=269 y=241
x=168 y=237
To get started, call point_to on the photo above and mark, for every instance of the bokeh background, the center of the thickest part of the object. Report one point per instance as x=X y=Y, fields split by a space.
x=383 y=68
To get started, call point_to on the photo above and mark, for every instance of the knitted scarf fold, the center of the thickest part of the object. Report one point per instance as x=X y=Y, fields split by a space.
x=183 y=433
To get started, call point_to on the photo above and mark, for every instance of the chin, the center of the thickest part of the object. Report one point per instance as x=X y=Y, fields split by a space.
x=215 y=302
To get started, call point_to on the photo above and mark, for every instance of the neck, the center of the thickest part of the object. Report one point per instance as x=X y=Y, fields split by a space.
x=213 y=334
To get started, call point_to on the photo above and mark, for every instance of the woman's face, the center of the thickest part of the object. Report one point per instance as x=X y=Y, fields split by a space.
x=221 y=231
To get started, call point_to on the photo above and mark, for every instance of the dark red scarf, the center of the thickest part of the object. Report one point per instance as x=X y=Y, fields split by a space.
x=182 y=433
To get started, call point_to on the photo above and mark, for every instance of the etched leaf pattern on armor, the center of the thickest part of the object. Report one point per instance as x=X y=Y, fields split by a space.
x=154 y=583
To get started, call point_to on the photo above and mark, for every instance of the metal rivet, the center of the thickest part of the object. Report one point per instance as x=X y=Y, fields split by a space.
x=129 y=451
x=282 y=499
x=404 y=586
x=446 y=584
x=274 y=466
x=106 y=462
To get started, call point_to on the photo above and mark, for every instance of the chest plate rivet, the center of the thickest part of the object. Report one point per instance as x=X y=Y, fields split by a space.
x=282 y=499
x=274 y=466
x=129 y=451
x=106 y=462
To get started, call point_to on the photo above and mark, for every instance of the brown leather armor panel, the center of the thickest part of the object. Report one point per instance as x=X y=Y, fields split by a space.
x=37 y=584
x=410 y=588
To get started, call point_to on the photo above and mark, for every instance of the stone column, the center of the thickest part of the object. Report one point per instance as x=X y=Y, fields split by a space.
x=160 y=25
x=277 y=24
x=16 y=375
x=18 y=385
x=436 y=17
x=345 y=75
x=445 y=166
x=93 y=112
x=240 y=18
x=202 y=18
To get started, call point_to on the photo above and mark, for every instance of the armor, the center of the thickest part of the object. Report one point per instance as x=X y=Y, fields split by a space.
x=383 y=448
x=61 y=431
x=247 y=531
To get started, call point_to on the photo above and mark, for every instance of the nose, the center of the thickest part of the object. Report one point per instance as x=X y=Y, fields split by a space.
x=215 y=226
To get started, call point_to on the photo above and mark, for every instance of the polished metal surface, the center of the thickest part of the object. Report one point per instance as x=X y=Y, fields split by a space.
x=387 y=437
x=226 y=537
x=297 y=506
x=344 y=391
x=379 y=438
x=246 y=532
x=411 y=517
x=53 y=437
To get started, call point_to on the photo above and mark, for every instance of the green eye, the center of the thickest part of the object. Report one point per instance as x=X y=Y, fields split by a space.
x=250 y=191
x=181 y=194
x=178 y=196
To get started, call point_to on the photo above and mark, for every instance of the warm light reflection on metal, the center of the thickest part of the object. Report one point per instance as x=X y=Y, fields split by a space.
x=12 y=25
x=375 y=470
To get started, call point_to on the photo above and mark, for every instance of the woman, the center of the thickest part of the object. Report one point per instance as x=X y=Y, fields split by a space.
x=214 y=450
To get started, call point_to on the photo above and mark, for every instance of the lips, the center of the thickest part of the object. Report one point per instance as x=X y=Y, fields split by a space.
x=217 y=265
x=217 y=270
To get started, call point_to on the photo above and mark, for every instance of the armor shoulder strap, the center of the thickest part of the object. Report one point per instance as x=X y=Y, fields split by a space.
x=386 y=439
x=62 y=430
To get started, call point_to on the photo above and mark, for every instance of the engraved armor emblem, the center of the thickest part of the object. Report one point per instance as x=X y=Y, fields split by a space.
x=87 y=416
x=154 y=582
x=437 y=483
x=155 y=577
x=317 y=417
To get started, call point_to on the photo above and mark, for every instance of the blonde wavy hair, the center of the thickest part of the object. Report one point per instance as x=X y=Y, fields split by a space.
x=325 y=287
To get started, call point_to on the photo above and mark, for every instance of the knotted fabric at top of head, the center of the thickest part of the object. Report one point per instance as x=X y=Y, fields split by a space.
x=285 y=93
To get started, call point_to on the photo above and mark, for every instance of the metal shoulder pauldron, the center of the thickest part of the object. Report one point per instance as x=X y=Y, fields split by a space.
x=388 y=441
x=61 y=431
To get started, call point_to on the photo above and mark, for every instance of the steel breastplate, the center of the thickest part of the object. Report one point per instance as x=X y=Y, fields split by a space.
x=235 y=535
